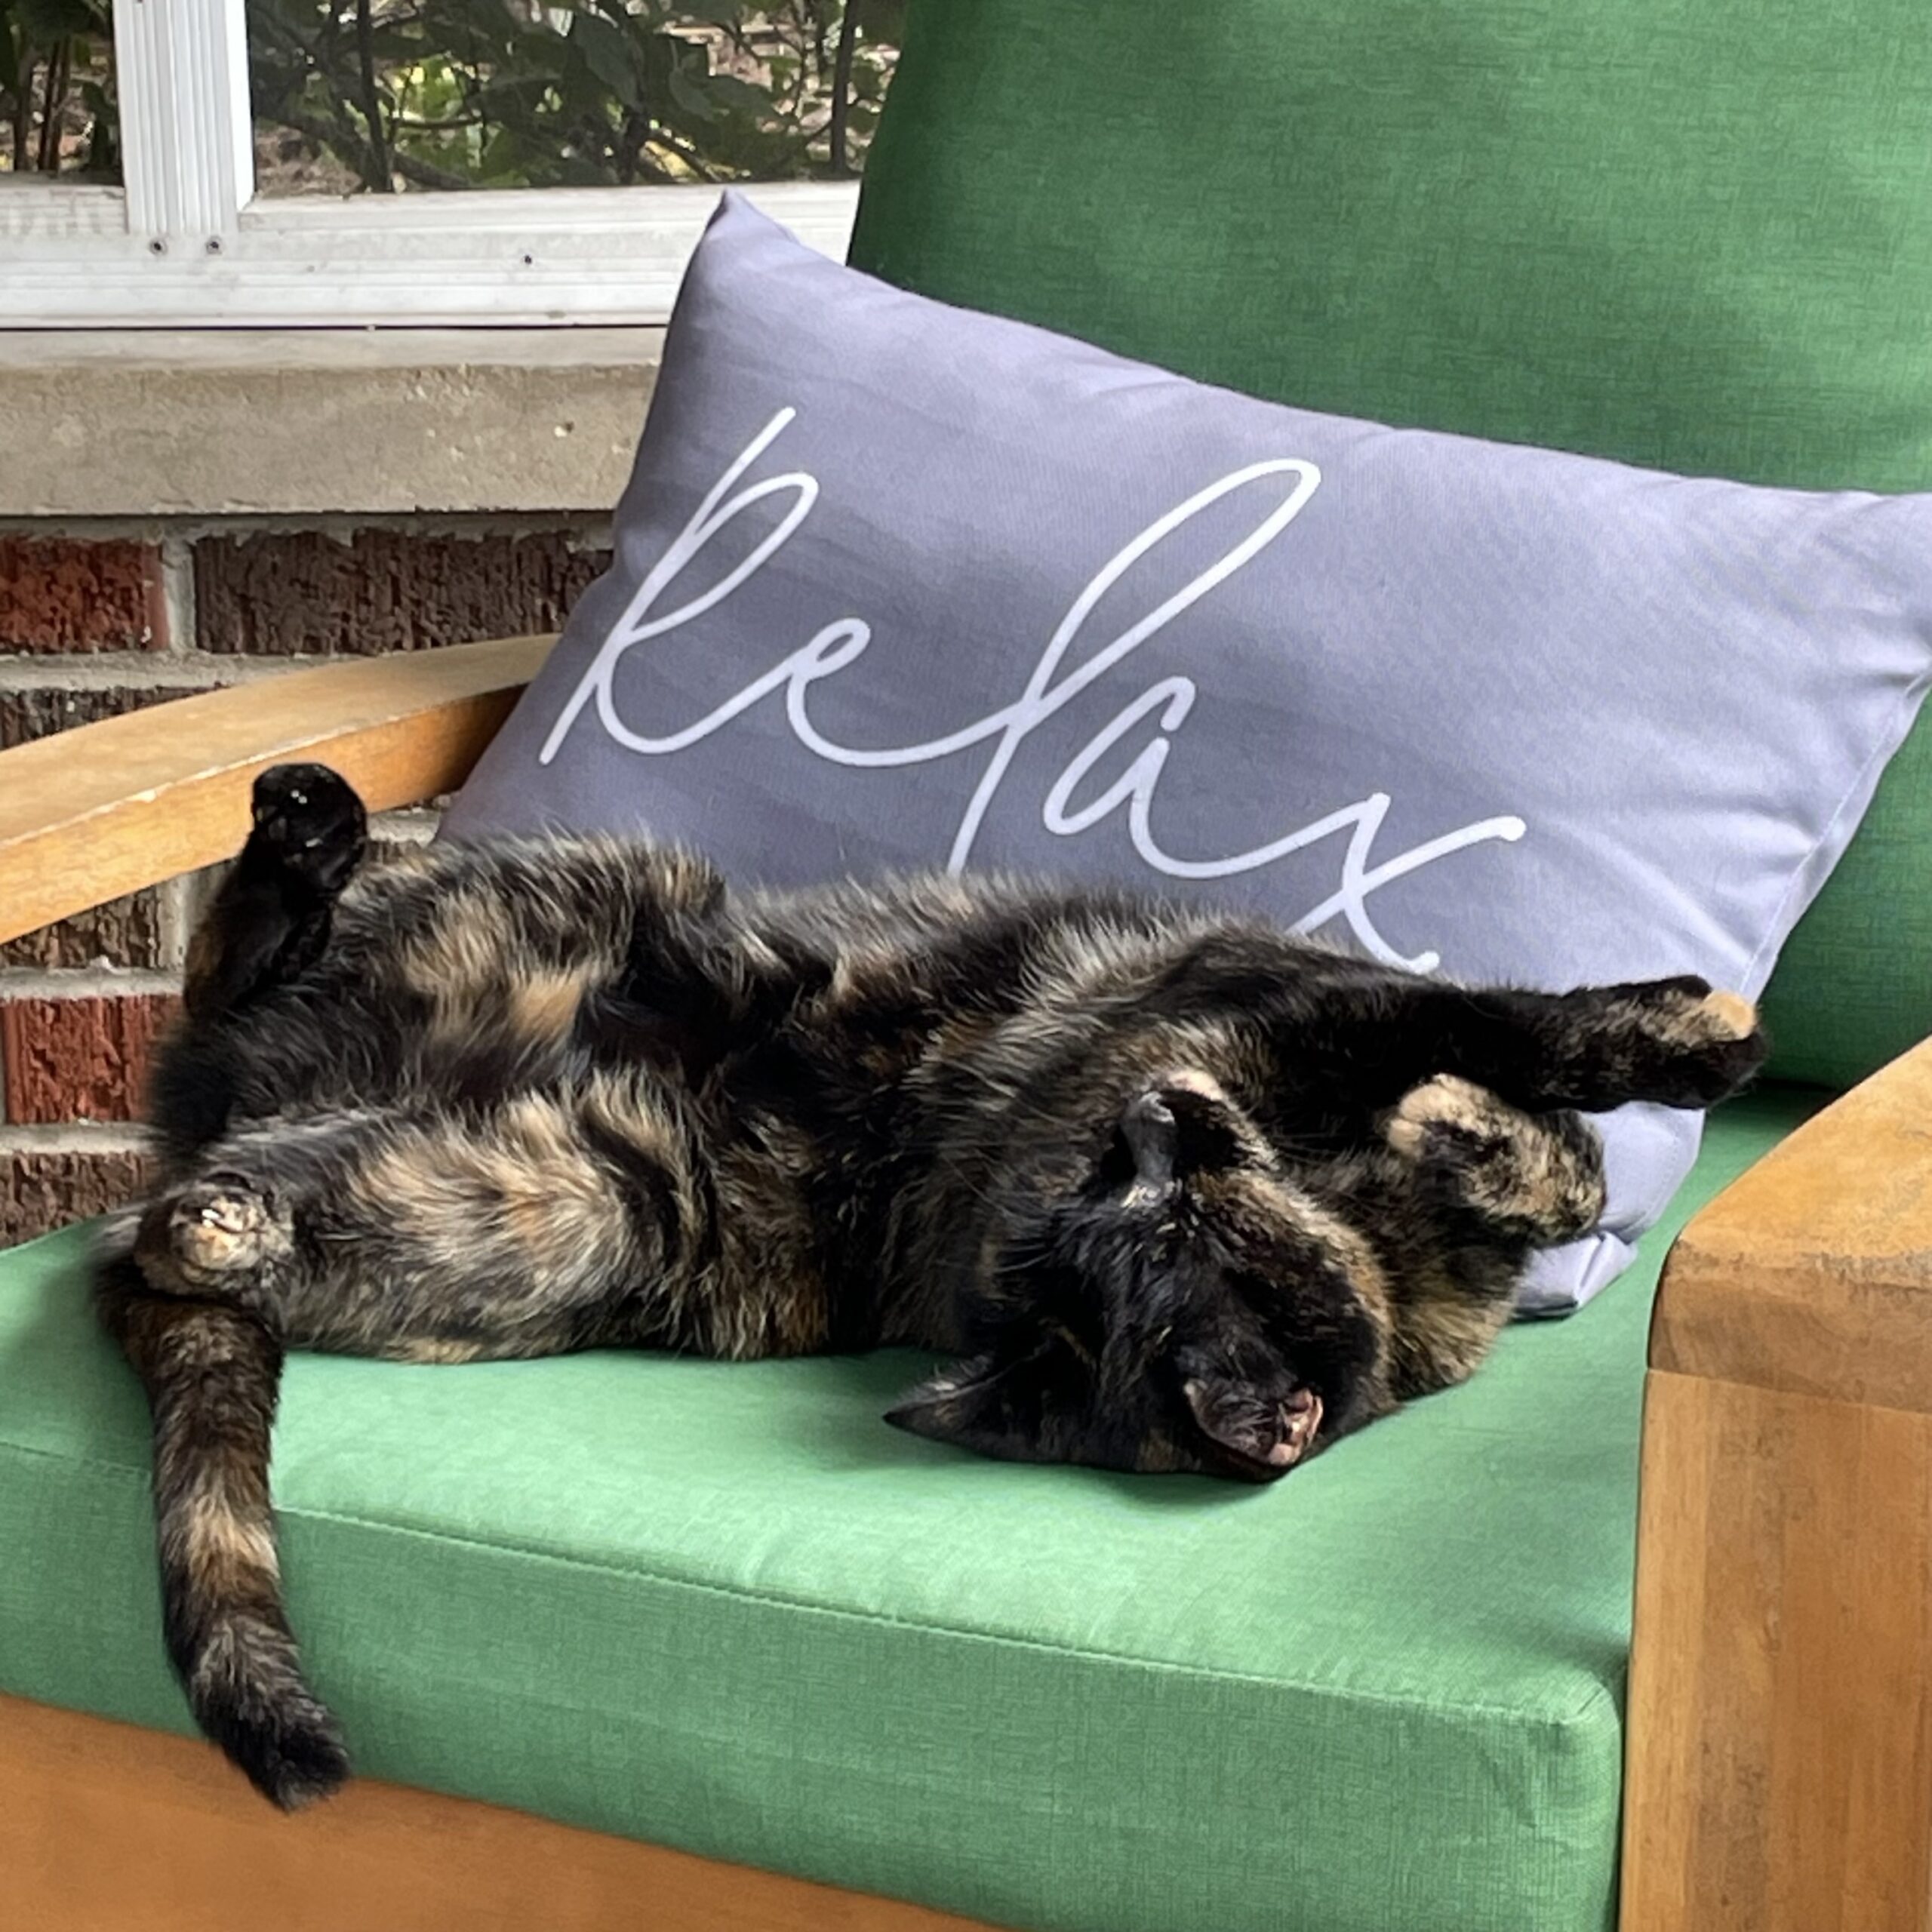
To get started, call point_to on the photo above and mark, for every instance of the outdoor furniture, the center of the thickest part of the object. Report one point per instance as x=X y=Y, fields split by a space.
x=646 y=1604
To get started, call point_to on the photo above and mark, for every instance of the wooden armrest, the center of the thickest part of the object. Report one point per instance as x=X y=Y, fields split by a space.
x=1813 y=1271
x=1778 y=1741
x=90 y=814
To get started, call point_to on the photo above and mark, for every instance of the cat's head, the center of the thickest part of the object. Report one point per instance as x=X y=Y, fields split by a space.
x=1187 y=1308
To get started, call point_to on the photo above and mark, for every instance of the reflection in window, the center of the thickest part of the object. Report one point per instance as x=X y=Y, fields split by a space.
x=57 y=113
x=402 y=95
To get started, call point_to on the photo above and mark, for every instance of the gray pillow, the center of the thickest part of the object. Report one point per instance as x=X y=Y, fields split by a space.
x=898 y=584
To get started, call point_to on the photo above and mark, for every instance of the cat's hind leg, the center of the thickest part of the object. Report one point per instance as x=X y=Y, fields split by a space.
x=537 y=1225
x=552 y=1222
x=271 y=916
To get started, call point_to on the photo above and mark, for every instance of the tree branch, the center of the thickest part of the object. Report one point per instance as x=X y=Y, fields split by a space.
x=341 y=135
x=53 y=103
x=23 y=111
x=383 y=179
x=841 y=87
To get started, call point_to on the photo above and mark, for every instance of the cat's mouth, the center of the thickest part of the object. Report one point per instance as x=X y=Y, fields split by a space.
x=1299 y=1422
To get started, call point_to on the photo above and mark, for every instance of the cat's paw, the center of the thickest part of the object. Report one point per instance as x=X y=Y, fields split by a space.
x=308 y=819
x=1687 y=1044
x=212 y=1234
x=1448 y=1118
x=1538 y=1177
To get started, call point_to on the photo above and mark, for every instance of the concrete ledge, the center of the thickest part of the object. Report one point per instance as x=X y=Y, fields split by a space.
x=221 y=423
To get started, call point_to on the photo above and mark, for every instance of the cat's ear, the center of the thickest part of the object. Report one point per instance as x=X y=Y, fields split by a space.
x=1254 y=1430
x=982 y=1404
x=1153 y=1138
x=1185 y=1127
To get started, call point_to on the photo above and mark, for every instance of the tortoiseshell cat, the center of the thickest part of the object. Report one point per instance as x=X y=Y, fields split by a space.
x=1177 y=1191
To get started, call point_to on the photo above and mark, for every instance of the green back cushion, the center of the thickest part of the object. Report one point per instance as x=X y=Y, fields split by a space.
x=1697 y=237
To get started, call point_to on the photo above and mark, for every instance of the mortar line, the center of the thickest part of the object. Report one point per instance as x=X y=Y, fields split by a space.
x=93 y=981
x=177 y=590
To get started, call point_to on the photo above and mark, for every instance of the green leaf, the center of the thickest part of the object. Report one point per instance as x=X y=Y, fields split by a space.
x=735 y=96
x=47 y=21
x=607 y=54
x=691 y=97
x=541 y=50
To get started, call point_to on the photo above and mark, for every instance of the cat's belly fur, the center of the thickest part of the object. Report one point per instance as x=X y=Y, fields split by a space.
x=835 y=1179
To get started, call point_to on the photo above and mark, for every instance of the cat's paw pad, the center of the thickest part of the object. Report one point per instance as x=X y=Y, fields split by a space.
x=1447 y=1115
x=220 y=1226
x=1693 y=1016
x=1702 y=1043
x=311 y=820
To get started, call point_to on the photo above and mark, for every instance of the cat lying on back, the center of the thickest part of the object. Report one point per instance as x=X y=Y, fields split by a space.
x=1175 y=1191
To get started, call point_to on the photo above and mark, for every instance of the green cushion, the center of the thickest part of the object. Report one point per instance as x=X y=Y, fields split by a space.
x=725 y=1607
x=1697 y=237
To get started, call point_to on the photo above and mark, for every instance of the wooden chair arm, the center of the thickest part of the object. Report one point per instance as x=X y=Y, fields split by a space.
x=1779 y=1741
x=1813 y=1271
x=90 y=814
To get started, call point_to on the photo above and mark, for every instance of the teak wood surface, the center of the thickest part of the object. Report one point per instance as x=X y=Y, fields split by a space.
x=105 y=1828
x=88 y=814
x=1779 y=1734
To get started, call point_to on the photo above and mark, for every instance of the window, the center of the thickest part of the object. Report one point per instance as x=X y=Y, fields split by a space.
x=260 y=162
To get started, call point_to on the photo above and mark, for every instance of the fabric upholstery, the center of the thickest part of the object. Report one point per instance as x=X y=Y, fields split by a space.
x=1694 y=238
x=725 y=1607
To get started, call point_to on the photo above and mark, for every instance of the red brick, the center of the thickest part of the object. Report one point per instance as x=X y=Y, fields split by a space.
x=80 y=1058
x=63 y=593
x=124 y=932
x=276 y=593
x=44 y=1190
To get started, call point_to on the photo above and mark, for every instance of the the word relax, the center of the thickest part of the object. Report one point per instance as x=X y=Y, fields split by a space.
x=1058 y=678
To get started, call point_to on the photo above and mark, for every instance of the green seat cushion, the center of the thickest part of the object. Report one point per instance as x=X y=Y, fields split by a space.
x=1697 y=237
x=724 y=1608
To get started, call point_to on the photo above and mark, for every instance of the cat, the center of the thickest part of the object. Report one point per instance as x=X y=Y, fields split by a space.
x=1172 y=1190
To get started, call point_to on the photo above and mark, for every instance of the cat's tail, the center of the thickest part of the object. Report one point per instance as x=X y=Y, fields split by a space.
x=212 y=1373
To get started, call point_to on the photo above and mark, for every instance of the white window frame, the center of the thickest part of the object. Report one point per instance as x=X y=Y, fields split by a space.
x=184 y=243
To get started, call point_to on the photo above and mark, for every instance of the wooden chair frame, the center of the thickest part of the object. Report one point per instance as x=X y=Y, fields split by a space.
x=1779 y=1735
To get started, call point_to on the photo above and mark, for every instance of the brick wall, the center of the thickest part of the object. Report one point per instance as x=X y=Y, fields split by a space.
x=97 y=619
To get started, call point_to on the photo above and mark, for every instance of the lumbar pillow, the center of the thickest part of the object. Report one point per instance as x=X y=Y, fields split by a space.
x=899 y=585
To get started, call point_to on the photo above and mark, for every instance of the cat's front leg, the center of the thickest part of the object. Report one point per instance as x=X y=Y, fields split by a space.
x=1675 y=1043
